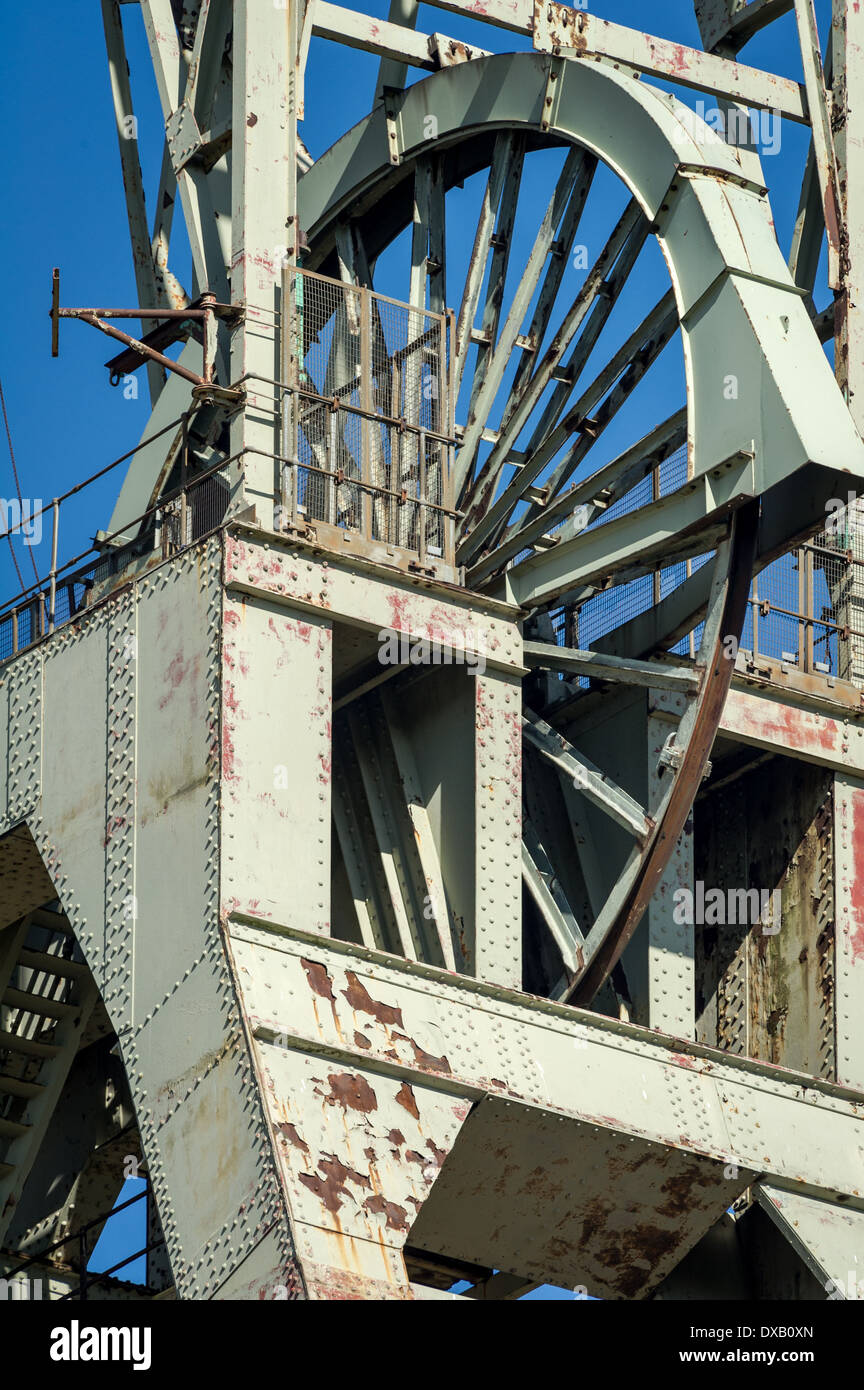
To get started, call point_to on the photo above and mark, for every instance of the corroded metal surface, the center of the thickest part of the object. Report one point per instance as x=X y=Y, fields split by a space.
x=330 y=915
x=570 y=1203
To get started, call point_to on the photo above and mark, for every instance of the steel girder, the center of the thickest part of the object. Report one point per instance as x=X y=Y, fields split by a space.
x=319 y=1089
x=387 y=1059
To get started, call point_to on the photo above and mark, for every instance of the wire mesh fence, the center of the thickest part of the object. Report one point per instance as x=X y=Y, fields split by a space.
x=805 y=610
x=617 y=605
x=368 y=420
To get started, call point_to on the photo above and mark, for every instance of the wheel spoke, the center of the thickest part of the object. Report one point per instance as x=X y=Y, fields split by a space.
x=504 y=155
x=595 y=494
x=610 y=668
x=596 y=291
x=543 y=885
x=495 y=363
x=595 y=785
x=691 y=748
x=502 y=242
x=626 y=368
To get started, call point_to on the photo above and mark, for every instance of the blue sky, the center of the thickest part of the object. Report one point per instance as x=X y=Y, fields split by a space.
x=65 y=207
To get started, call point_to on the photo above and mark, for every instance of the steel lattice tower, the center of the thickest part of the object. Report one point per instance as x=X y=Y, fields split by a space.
x=353 y=792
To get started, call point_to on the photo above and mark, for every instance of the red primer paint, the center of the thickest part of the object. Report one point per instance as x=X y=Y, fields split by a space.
x=856 y=888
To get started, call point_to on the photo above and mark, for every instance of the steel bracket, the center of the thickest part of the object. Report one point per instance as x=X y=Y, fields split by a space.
x=550 y=95
x=184 y=137
x=392 y=112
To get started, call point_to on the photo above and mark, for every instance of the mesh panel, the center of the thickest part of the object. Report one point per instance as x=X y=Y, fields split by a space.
x=618 y=605
x=806 y=609
x=371 y=427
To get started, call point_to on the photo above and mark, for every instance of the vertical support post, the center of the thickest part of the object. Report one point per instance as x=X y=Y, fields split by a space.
x=849 y=930
x=265 y=233
x=291 y=366
x=449 y=455
x=655 y=497
x=422 y=494
x=184 y=475
x=332 y=459
x=207 y=301
x=55 y=528
x=392 y=509
x=847 y=119
x=55 y=312
x=802 y=610
x=671 y=981
x=498 y=830
x=810 y=609
x=365 y=404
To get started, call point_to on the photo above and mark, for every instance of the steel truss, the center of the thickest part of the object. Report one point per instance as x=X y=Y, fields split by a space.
x=486 y=858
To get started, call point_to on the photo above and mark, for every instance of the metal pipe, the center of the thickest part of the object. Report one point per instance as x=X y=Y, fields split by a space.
x=88 y=313
x=146 y=352
x=184 y=470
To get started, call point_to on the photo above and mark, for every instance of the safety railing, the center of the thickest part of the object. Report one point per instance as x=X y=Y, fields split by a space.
x=182 y=516
x=367 y=409
x=79 y=1239
x=805 y=610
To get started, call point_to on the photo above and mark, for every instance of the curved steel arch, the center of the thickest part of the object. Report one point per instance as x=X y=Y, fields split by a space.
x=760 y=455
x=708 y=206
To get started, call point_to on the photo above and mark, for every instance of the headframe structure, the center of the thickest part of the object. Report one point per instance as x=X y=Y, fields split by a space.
x=342 y=850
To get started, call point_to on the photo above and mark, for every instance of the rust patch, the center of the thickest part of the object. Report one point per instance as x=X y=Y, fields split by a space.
x=330 y=1189
x=289 y=1131
x=424 y=1060
x=396 y=1137
x=405 y=1098
x=397 y=1217
x=438 y=1155
x=319 y=981
x=337 y=1172
x=329 y=1196
x=351 y=1092
x=361 y=1041
x=627 y=1255
x=361 y=1001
